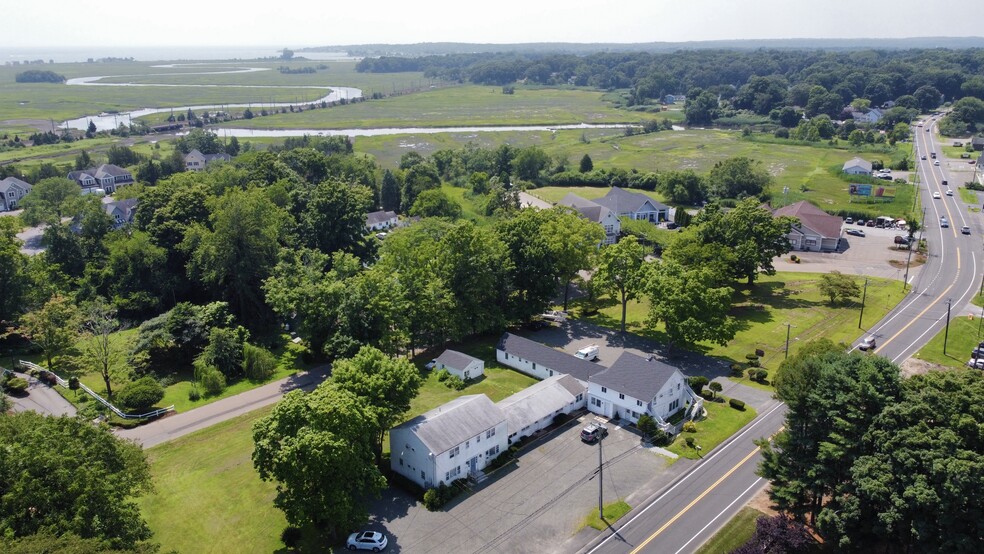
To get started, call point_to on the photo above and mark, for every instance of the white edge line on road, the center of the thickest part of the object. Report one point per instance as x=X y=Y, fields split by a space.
x=687 y=476
x=721 y=513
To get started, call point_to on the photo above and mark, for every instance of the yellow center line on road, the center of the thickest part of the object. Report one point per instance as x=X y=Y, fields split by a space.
x=696 y=500
x=931 y=305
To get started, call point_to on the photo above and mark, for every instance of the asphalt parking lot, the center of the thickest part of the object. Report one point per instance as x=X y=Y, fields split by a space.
x=870 y=255
x=534 y=505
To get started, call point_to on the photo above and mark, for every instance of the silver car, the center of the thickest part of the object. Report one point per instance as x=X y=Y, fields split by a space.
x=367 y=540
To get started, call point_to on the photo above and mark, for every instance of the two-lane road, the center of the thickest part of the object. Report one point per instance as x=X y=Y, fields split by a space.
x=953 y=271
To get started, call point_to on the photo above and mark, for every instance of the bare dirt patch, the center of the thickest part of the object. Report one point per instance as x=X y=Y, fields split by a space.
x=762 y=503
x=914 y=366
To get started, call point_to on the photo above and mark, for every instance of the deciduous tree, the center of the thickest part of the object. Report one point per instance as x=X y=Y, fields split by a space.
x=53 y=327
x=689 y=304
x=620 y=271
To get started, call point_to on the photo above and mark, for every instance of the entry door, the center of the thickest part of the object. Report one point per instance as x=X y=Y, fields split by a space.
x=473 y=464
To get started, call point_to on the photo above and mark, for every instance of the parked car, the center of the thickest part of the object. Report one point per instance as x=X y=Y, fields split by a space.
x=855 y=232
x=976 y=363
x=859 y=223
x=849 y=220
x=867 y=344
x=901 y=239
x=977 y=353
x=965 y=230
x=430 y=365
x=870 y=223
x=367 y=540
x=670 y=225
x=593 y=432
x=554 y=315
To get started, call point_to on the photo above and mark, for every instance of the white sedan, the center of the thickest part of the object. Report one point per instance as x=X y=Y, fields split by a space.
x=936 y=195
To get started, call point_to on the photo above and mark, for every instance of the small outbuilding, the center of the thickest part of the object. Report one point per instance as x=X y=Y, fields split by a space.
x=857 y=166
x=460 y=364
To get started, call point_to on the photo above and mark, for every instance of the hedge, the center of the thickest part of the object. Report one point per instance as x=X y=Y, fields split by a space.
x=736 y=404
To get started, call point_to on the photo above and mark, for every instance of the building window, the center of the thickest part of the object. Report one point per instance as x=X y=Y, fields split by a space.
x=595 y=402
x=579 y=397
x=638 y=402
x=492 y=451
x=422 y=476
x=505 y=356
x=401 y=462
x=490 y=433
x=534 y=365
x=454 y=452
x=604 y=389
x=550 y=371
x=621 y=396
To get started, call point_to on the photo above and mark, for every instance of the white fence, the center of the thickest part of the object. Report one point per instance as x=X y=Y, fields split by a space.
x=98 y=398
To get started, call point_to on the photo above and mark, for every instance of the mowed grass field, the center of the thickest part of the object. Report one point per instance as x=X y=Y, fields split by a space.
x=965 y=334
x=764 y=310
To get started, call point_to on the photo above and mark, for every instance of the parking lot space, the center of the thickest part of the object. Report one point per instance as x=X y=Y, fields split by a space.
x=874 y=254
x=534 y=505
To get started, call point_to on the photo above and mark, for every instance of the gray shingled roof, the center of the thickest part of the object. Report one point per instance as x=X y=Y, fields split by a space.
x=550 y=358
x=453 y=423
x=375 y=218
x=635 y=376
x=620 y=201
x=590 y=210
x=864 y=164
x=540 y=400
x=455 y=359
x=6 y=184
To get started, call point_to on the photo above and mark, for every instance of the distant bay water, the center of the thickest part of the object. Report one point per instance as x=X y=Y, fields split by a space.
x=154 y=53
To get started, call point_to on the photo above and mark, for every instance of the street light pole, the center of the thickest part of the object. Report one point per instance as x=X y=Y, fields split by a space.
x=864 y=295
x=786 y=356
x=946 y=333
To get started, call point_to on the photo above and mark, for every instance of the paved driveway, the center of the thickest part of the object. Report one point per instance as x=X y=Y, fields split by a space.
x=535 y=505
x=42 y=399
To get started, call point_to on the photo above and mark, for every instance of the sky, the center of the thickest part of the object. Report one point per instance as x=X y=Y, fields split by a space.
x=300 y=23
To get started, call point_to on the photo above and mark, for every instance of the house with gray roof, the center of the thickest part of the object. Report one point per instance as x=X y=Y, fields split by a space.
x=450 y=442
x=122 y=211
x=597 y=213
x=634 y=385
x=381 y=220
x=541 y=361
x=535 y=407
x=634 y=205
x=857 y=166
x=107 y=177
x=196 y=161
x=12 y=191
x=460 y=364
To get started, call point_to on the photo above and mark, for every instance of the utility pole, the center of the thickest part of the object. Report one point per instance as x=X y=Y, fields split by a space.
x=786 y=356
x=864 y=295
x=946 y=333
x=601 y=480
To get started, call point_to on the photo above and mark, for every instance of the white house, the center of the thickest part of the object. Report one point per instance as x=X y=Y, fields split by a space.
x=597 y=213
x=196 y=161
x=449 y=442
x=535 y=407
x=857 y=166
x=634 y=205
x=107 y=177
x=633 y=386
x=541 y=361
x=817 y=231
x=873 y=115
x=462 y=365
x=12 y=191
x=381 y=220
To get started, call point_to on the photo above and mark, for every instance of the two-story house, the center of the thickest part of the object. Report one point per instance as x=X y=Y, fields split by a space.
x=449 y=442
x=634 y=385
x=634 y=205
x=597 y=213
x=12 y=191
x=122 y=211
x=107 y=177
x=196 y=161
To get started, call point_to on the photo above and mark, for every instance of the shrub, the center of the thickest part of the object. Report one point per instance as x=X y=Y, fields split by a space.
x=443 y=375
x=647 y=425
x=715 y=388
x=74 y=383
x=291 y=536
x=697 y=383
x=737 y=370
x=659 y=438
x=213 y=381
x=690 y=442
x=454 y=382
x=760 y=375
x=736 y=404
x=753 y=363
x=16 y=385
x=794 y=258
x=561 y=418
x=194 y=394
x=258 y=362
x=141 y=394
x=436 y=498
x=502 y=459
x=690 y=427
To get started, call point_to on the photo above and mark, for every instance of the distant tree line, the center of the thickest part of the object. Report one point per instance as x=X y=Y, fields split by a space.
x=39 y=76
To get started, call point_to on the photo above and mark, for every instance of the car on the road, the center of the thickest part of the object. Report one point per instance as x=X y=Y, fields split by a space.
x=943 y=183
x=855 y=232
x=965 y=230
x=367 y=540
x=949 y=192
x=923 y=157
x=944 y=223
x=936 y=162
x=593 y=432
x=867 y=344
x=936 y=195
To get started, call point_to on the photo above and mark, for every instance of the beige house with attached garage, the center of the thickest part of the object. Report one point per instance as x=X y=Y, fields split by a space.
x=634 y=385
x=817 y=231
x=12 y=191
x=857 y=166
x=460 y=364
x=453 y=441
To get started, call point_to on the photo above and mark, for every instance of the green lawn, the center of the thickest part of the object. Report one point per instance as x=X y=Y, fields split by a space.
x=613 y=512
x=208 y=497
x=734 y=533
x=722 y=421
x=964 y=336
x=968 y=196
x=763 y=311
